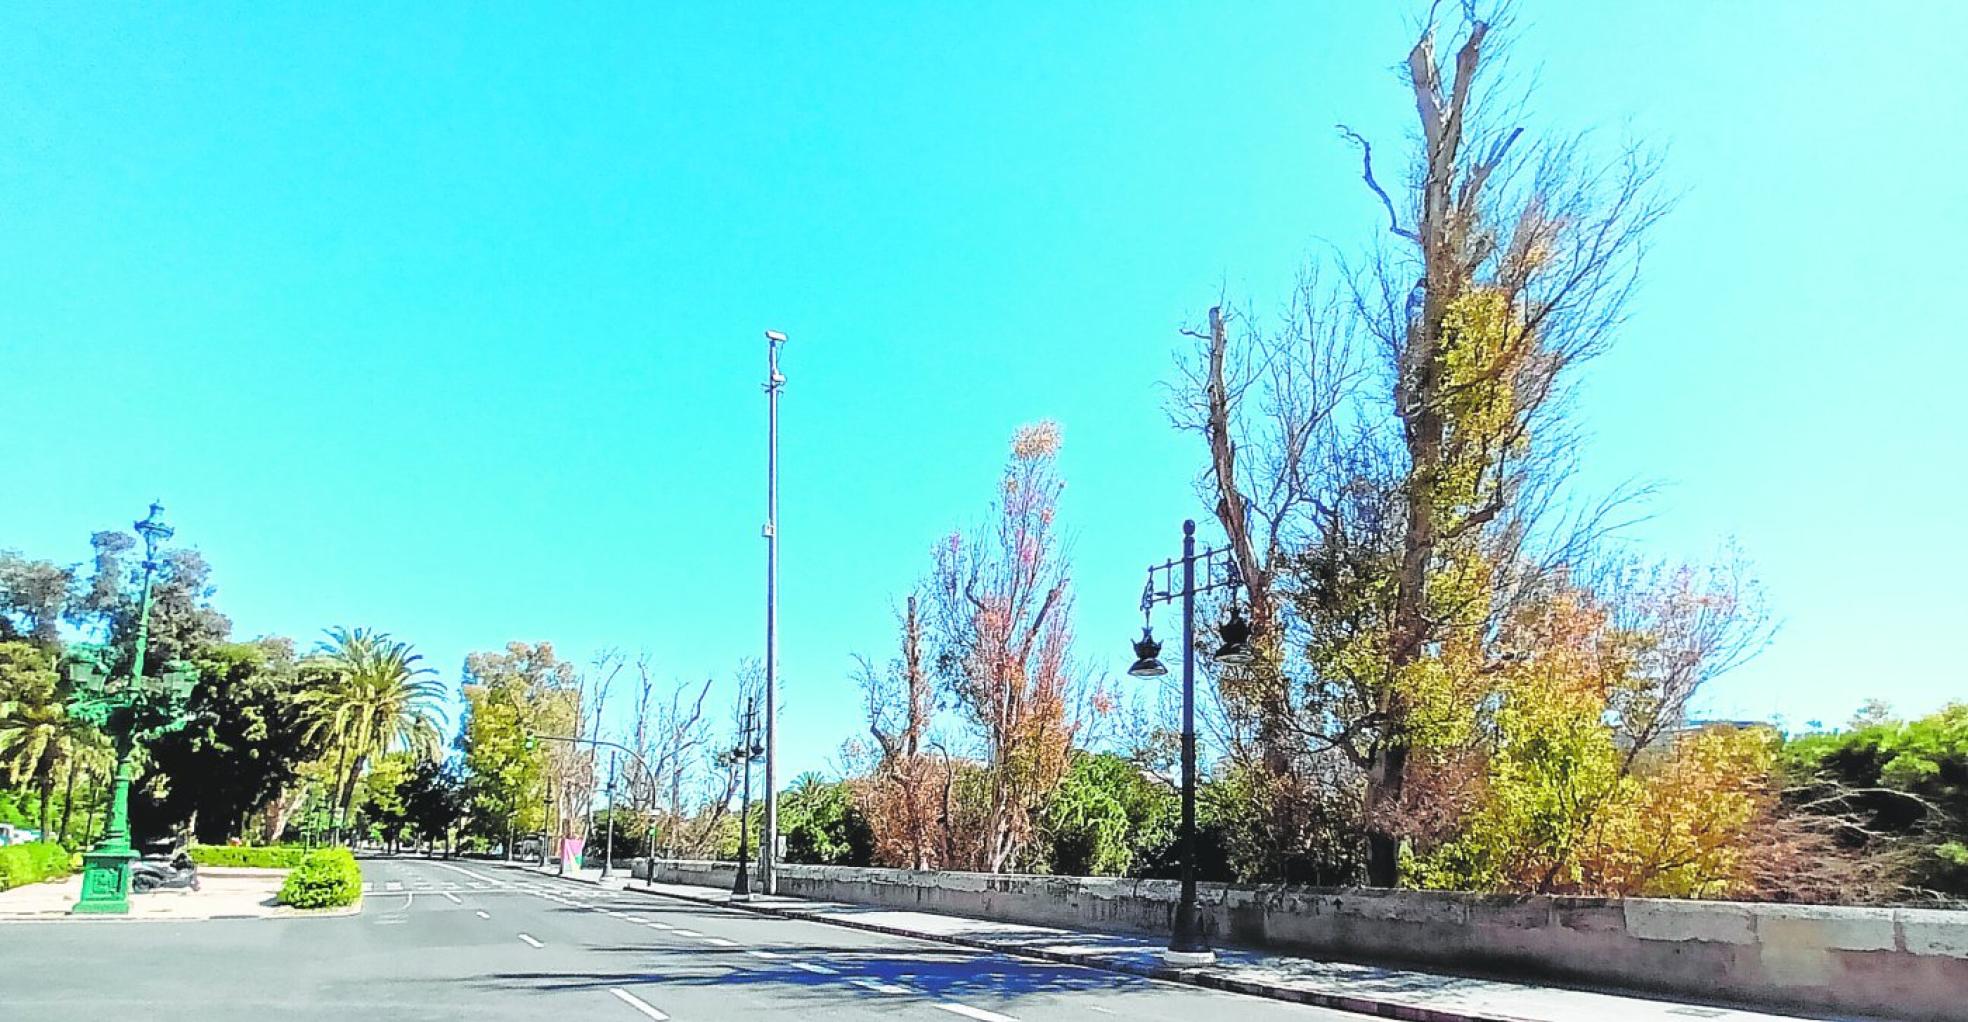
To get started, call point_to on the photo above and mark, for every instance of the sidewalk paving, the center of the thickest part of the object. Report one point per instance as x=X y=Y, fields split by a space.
x=225 y=893
x=1385 y=992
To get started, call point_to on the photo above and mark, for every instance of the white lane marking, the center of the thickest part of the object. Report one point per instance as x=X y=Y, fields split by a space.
x=878 y=986
x=478 y=879
x=527 y=937
x=368 y=887
x=977 y=1013
x=455 y=900
x=720 y=942
x=685 y=933
x=392 y=886
x=1103 y=1011
x=627 y=917
x=638 y=1004
x=817 y=970
x=767 y=955
x=659 y=926
x=482 y=914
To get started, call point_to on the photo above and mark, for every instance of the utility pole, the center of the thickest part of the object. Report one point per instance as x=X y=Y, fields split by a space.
x=774 y=383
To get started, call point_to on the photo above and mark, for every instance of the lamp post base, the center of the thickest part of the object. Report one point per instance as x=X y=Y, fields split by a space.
x=105 y=883
x=1188 y=958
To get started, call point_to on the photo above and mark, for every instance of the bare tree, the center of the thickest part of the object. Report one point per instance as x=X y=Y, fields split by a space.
x=1000 y=606
x=1398 y=504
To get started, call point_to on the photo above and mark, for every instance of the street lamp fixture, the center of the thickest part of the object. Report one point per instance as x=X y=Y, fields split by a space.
x=1186 y=943
x=1236 y=636
x=1147 y=656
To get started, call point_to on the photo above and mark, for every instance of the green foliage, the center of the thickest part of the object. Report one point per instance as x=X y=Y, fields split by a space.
x=822 y=824
x=1106 y=816
x=249 y=856
x=509 y=696
x=435 y=800
x=33 y=862
x=326 y=878
x=245 y=744
x=1903 y=782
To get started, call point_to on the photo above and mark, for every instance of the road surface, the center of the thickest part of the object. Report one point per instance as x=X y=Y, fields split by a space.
x=438 y=940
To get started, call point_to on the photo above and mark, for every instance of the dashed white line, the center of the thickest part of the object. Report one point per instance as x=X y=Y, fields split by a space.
x=883 y=988
x=455 y=900
x=628 y=918
x=977 y=1013
x=639 y=1004
x=817 y=970
x=659 y=926
x=482 y=914
x=767 y=955
x=392 y=886
x=720 y=942
x=685 y=933
x=527 y=937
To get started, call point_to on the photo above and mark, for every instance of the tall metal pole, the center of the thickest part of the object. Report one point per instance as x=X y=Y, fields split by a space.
x=774 y=383
x=1186 y=945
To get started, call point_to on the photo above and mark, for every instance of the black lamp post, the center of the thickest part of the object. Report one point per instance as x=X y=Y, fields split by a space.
x=1186 y=943
x=748 y=749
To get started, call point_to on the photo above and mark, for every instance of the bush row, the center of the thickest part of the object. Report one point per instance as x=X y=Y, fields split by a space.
x=250 y=856
x=33 y=862
x=326 y=878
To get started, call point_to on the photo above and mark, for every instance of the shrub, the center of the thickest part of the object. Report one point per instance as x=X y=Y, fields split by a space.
x=33 y=862
x=327 y=878
x=249 y=856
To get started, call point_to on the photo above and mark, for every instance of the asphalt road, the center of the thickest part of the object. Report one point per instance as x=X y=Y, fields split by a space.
x=467 y=940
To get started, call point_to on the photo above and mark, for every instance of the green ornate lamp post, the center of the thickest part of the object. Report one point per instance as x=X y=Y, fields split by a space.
x=131 y=711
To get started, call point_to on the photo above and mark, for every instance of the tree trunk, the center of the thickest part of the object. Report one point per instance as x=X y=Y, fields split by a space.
x=44 y=780
x=68 y=799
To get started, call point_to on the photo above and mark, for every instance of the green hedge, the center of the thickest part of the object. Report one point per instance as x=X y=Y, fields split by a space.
x=251 y=856
x=327 y=878
x=33 y=862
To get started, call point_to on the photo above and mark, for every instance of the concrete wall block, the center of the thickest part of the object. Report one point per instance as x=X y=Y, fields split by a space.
x=1931 y=931
x=1431 y=907
x=1526 y=913
x=1826 y=927
x=1712 y=921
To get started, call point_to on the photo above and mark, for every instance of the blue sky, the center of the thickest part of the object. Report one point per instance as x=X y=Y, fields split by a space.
x=447 y=322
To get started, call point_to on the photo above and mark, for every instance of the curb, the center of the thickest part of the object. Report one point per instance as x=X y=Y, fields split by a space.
x=1171 y=974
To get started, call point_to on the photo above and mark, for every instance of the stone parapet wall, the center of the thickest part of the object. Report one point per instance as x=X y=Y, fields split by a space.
x=1907 y=963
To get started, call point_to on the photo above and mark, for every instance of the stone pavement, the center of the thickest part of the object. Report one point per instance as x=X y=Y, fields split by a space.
x=1386 y=992
x=224 y=893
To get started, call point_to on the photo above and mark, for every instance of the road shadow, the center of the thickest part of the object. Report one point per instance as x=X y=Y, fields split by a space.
x=940 y=973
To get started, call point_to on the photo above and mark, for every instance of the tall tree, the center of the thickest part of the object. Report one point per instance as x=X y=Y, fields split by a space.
x=370 y=694
x=245 y=745
x=903 y=791
x=36 y=732
x=33 y=597
x=1001 y=607
x=510 y=696
x=182 y=618
x=1425 y=478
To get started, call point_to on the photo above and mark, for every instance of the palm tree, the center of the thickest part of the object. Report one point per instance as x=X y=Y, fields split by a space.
x=373 y=696
x=36 y=732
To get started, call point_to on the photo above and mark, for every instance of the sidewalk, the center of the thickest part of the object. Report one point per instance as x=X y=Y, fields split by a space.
x=1371 y=990
x=225 y=893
